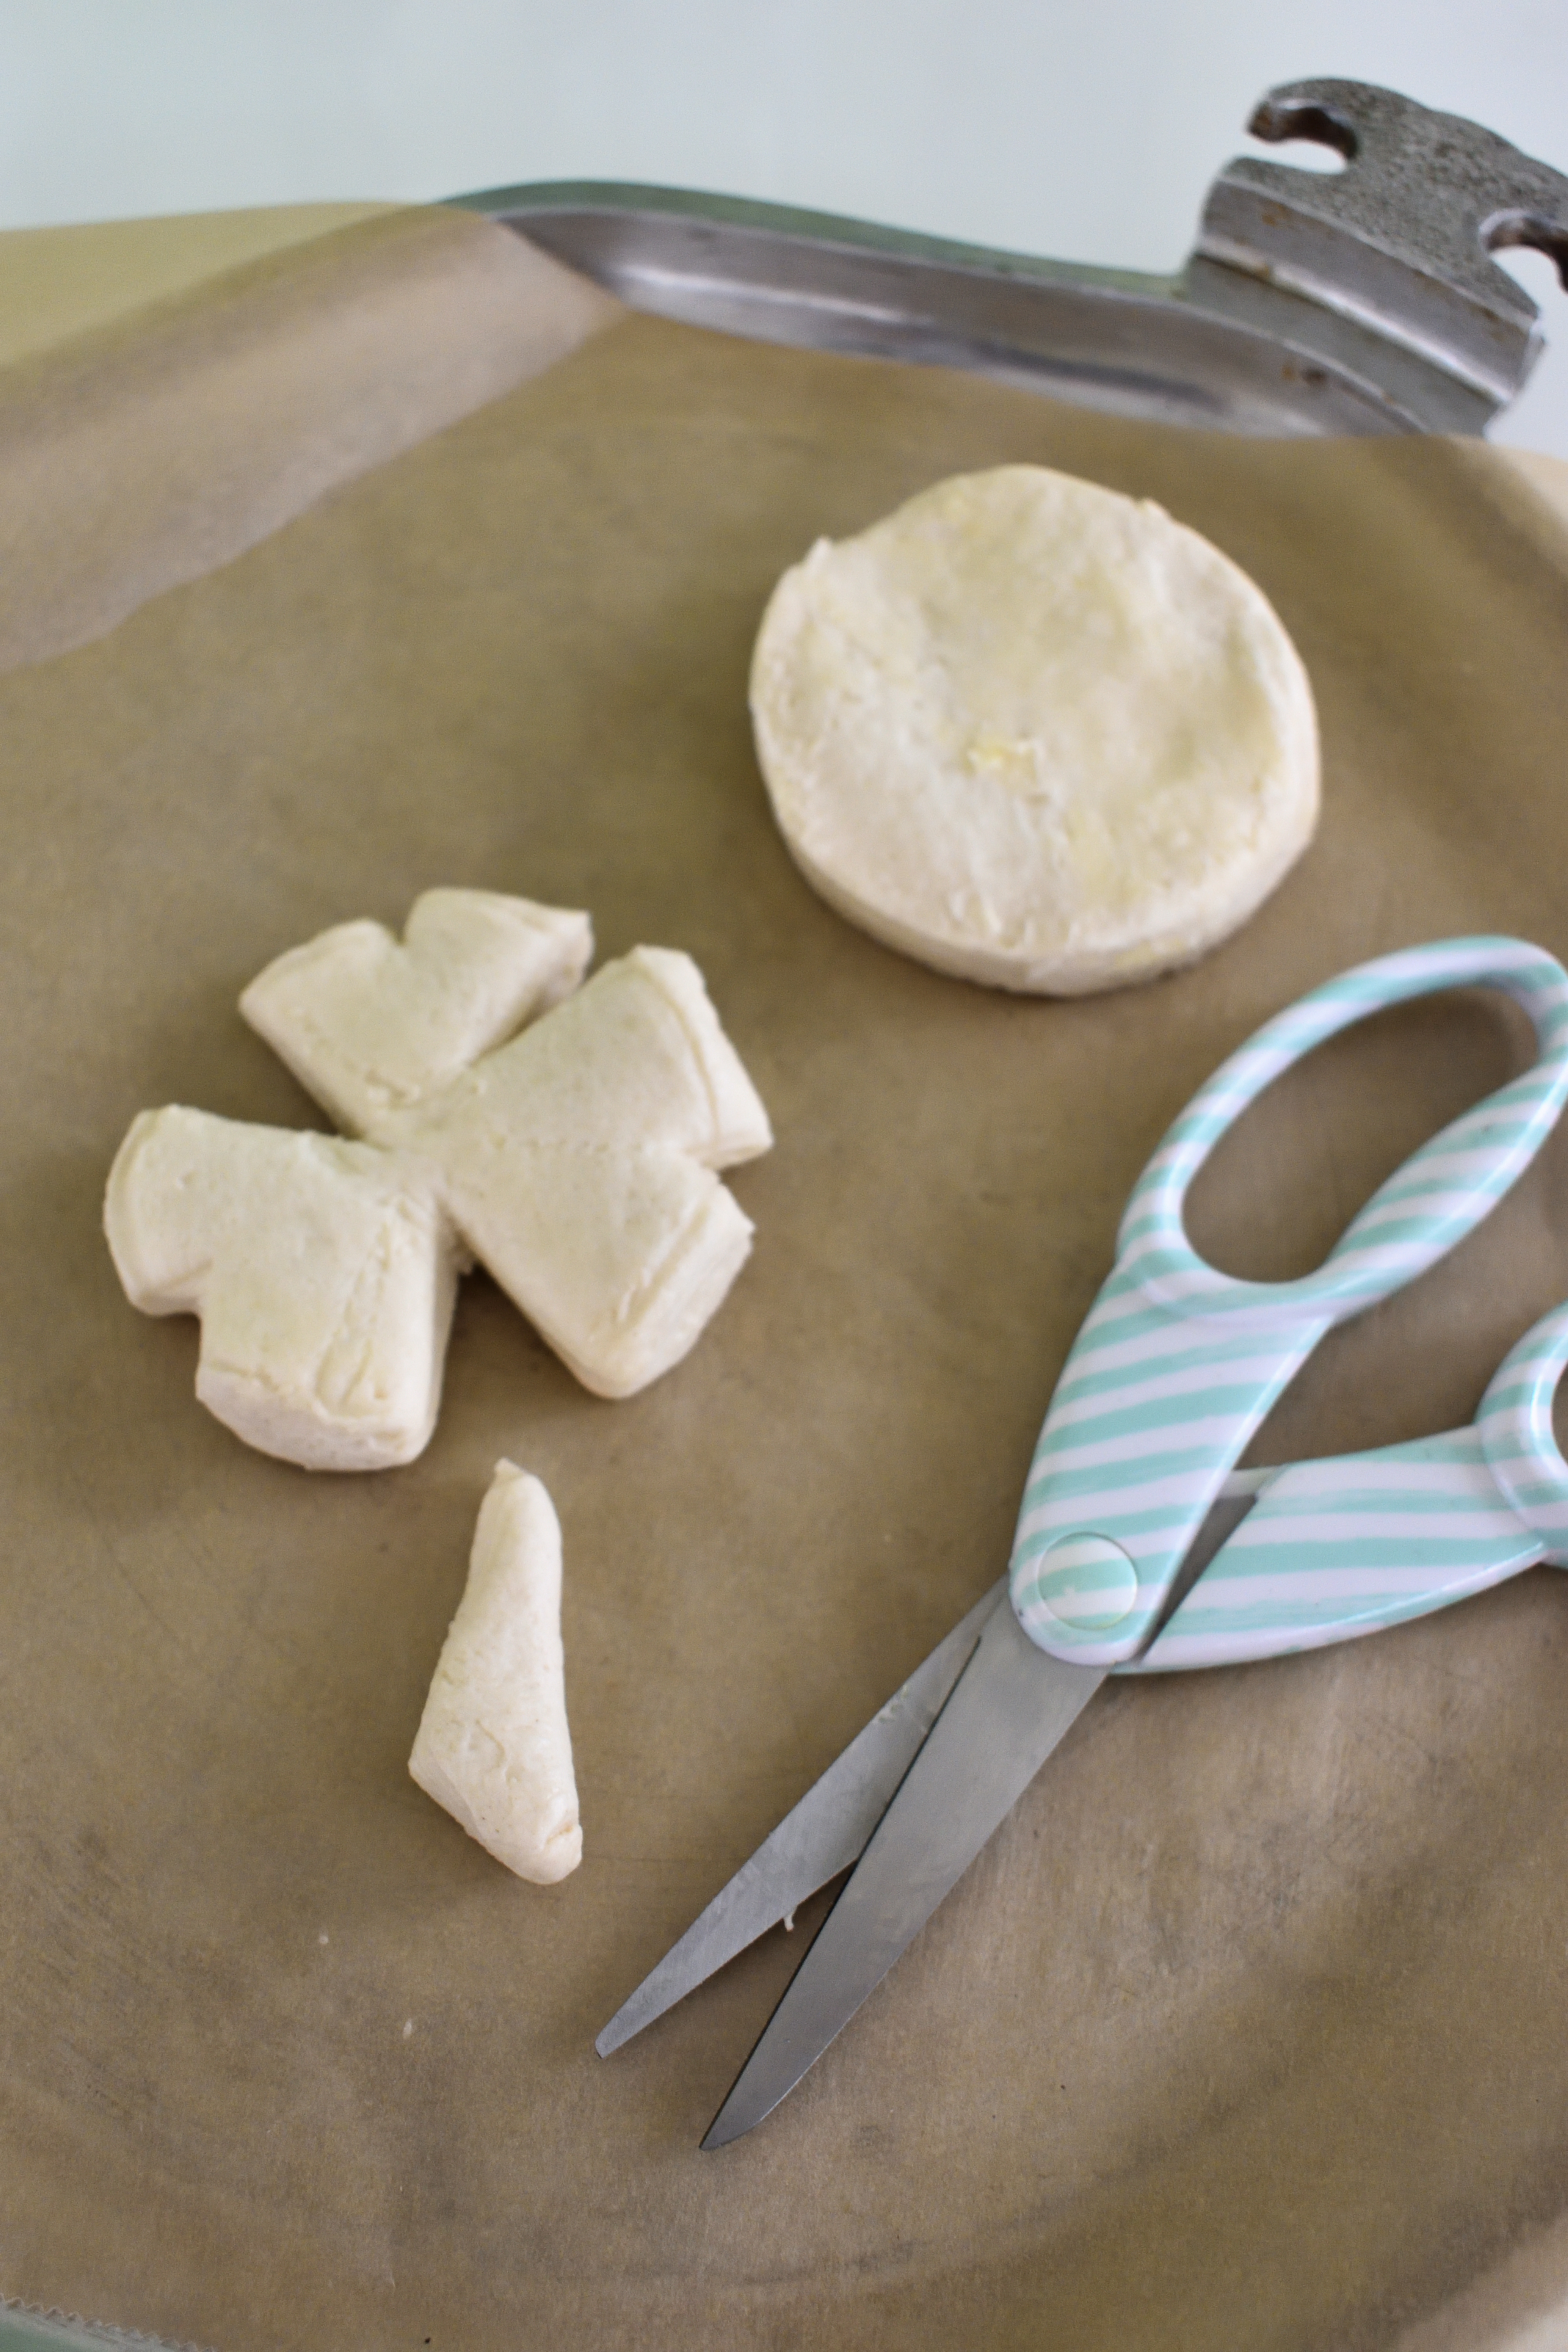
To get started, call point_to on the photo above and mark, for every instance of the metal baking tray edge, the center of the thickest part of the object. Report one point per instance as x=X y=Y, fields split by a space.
x=1365 y=300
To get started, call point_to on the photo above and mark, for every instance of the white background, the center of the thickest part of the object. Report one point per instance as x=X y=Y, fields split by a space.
x=1061 y=127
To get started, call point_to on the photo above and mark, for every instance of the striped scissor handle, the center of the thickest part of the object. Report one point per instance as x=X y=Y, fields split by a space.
x=1177 y=1363
x=1347 y=1545
x=1517 y=1437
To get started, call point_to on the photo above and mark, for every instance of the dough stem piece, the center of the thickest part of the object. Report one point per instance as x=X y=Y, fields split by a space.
x=493 y=1746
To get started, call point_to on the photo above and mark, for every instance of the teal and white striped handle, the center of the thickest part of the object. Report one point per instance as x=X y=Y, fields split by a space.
x=1346 y=1546
x=1177 y=1363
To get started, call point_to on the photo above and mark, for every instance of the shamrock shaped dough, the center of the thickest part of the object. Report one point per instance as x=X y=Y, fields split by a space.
x=566 y=1135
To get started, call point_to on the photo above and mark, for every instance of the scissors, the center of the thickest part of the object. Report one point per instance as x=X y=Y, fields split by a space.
x=1141 y=1549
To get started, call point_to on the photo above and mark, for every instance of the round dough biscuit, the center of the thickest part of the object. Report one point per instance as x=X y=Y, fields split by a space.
x=1035 y=733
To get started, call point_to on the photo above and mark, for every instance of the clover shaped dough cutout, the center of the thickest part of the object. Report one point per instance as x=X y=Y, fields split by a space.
x=566 y=1134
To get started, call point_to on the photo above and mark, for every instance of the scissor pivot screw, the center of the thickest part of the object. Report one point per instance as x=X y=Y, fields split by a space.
x=1088 y=1583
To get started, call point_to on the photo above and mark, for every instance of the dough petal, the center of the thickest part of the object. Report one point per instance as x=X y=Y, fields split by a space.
x=577 y=1164
x=636 y=1058
x=619 y=1258
x=369 y=1025
x=323 y=1274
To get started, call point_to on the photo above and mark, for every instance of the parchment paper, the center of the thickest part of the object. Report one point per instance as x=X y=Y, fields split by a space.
x=1247 y=2030
x=159 y=441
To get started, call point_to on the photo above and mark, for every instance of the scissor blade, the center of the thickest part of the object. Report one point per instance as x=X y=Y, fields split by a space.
x=1009 y=1708
x=823 y=1835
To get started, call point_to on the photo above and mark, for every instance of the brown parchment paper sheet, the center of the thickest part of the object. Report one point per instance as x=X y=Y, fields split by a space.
x=161 y=440
x=1248 y=2027
x=60 y=282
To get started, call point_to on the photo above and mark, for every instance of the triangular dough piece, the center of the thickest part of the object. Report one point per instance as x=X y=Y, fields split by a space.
x=369 y=1027
x=636 y=1059
x=323 y=1274
x=618 y=1258
x=493 y=1746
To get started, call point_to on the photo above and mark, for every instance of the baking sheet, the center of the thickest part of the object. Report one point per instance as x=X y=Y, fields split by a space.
x=1247 y=2029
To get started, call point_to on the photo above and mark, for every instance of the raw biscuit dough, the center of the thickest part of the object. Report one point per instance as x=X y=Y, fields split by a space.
x=370 y=1024
x=493 y=1746
x=570 y=1136
x=324 y=1273
x=1035 y=733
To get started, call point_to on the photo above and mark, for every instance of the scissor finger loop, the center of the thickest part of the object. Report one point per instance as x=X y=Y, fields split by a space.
x=1177 y=1363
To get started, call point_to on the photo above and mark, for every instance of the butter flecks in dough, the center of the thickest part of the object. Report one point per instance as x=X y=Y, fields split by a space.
x=577 y=1160
x=323 y=1274
x=493 y=1745
x=1035 y=733
x=369 y=1024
